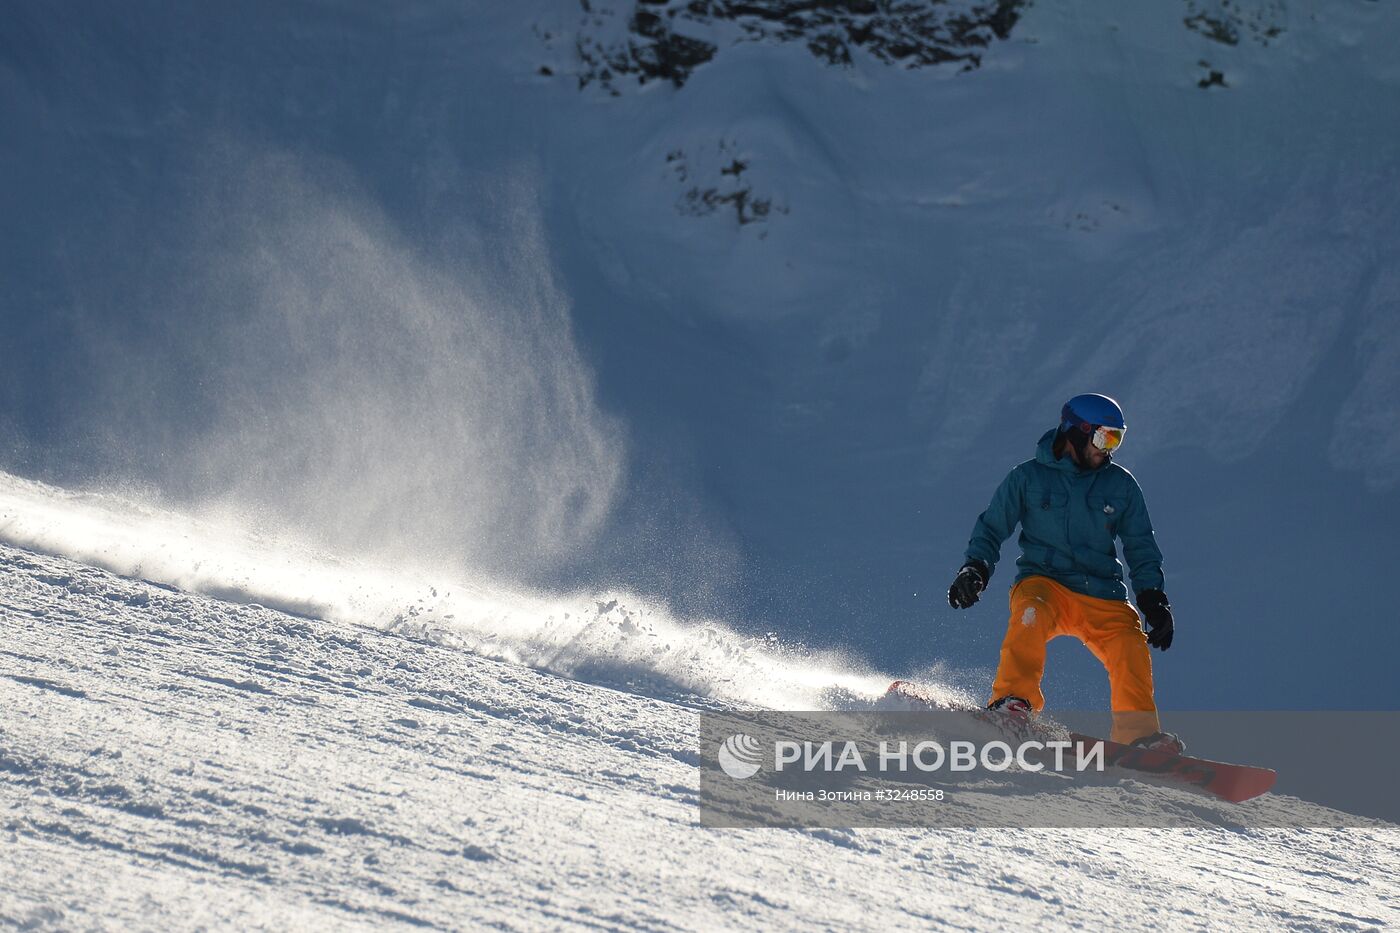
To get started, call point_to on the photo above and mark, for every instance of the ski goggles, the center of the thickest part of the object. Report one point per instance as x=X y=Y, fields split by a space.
x=1107 y=439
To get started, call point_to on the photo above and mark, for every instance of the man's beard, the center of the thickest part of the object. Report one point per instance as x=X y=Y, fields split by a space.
x=1084 y=451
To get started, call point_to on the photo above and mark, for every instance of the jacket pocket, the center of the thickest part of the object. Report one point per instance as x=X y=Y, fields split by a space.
x=1046 y=499
x=1106 y=512
x=1046 y=518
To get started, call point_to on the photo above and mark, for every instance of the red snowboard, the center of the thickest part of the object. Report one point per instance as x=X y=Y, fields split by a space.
x=1234 y=783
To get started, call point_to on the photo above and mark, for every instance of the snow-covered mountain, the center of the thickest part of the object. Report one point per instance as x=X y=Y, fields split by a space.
x=756 y=339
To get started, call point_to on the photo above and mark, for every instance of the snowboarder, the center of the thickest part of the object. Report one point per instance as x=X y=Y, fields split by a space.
x=1072 y=501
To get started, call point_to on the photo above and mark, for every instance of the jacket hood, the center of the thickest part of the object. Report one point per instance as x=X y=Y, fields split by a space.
x=1045 y=453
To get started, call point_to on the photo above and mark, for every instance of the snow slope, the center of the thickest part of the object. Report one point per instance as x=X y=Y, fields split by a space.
x=172 y=761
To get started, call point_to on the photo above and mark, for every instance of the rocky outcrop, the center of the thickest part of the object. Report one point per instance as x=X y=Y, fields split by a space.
x=666 y=40
x=1229 y=21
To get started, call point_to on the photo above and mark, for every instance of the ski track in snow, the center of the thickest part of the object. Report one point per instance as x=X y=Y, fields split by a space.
x=170 y=760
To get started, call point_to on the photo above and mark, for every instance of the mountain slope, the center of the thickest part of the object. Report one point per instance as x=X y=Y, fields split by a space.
x=168 y=760
x=759 y=342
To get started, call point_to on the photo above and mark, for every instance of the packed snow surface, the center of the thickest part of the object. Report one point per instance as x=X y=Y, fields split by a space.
x=168 y=760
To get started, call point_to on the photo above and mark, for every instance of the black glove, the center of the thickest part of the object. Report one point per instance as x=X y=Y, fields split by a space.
x=1158 y=613
x=968 y=584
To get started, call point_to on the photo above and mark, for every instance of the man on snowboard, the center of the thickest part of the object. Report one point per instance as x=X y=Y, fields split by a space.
x=1072 y=501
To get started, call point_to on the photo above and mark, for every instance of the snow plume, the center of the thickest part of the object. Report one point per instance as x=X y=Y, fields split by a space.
x=302 y=361
x=311 y=412
x=611 y=638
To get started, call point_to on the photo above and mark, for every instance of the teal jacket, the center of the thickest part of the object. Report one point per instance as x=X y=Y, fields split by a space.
x=1069 y=519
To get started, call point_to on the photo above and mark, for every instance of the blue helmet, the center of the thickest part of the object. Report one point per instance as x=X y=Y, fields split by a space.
x=1091 y=410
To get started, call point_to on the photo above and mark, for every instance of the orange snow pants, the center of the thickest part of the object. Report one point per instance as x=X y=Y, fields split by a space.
x=1042 y=609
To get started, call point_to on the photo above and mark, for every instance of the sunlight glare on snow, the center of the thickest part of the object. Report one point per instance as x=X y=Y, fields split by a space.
x=614 y=636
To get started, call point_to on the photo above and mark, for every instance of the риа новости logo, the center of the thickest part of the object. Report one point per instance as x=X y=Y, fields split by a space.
x=739 y=756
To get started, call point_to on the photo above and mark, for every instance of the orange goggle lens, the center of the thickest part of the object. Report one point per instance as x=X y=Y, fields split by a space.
x=1108 y=439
